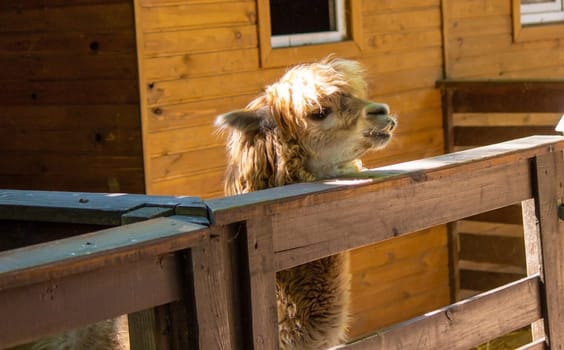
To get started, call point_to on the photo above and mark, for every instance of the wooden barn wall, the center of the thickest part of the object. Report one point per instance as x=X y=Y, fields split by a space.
x=200 y=58
x=479 y=43
x=483 y=40
x=69 y=116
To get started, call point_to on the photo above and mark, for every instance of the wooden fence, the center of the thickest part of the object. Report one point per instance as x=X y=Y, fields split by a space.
x=489 y=249
x=201 y=274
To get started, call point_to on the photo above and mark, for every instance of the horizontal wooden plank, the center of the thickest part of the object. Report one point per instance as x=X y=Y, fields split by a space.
x=235 y=84
x=505 y=96
x=486 y=280
x=370 y=7
x=413 y=20
x=377 y=256
x=81 y=299
x=28 y=4
x=432 y=199
x=503 y=64
x=99 y=91
x=506 y=119
x=406 y=80
x=507 y=215
x=173 y=142
x=200 y=40
x=454 y=327
x=70 y=117
x=17 y=234
x=83 y=18
x=236 y=208
x=185 y=163
x=498 y=229
x=116 y=181
x=195 y=113
x=197 y=15
x=478 y=8
x=415 y=187
x=372 y=319
x=101 y=142
x=205 y=184
x=202 y=64
x=85 y=208
x=95 y=250
x=69 y=67
x=375 y=43
x=36 y=163
x=400 y=61
x=68 y=42
x=494 y=249
x=486 y=135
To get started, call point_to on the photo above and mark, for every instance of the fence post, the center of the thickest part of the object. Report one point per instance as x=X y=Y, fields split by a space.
x=548 y=183
x=264 y=315
x=213 y=291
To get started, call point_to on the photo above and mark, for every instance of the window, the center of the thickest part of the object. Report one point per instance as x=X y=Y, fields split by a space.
x=537 y=20
x=541 y=11
x=298 y=22
x=294 y=31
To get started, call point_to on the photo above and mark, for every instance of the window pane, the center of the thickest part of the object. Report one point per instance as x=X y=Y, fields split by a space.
x=301 y=16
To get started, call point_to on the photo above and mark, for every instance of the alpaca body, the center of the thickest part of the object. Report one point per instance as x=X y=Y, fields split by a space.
x=313 y=124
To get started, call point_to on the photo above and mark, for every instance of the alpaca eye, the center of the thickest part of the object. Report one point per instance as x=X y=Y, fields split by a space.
x=321 y=114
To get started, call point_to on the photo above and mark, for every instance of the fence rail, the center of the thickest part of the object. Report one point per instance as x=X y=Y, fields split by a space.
x=213 y=264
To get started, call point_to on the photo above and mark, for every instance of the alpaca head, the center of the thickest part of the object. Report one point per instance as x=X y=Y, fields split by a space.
x=320 y=112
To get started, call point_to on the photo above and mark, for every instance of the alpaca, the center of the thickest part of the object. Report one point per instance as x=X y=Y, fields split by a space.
x=314 y=123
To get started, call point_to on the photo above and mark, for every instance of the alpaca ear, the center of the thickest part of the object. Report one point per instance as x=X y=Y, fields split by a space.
x=243 y=119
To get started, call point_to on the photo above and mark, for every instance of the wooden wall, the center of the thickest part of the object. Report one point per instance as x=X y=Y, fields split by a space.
x=483 y=40
x=200 y=58
x=479 y=42
x=69 y=116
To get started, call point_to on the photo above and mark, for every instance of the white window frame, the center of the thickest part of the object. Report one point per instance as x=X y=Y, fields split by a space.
x=545 y=12
x=293 y=40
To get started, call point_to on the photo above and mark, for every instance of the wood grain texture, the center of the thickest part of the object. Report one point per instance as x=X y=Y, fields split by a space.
x=454 y=327
x=135 y=286
x=549 y=182
x=87 y=252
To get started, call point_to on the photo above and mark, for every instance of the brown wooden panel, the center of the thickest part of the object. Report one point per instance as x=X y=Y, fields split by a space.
x=186 y=90
x=99 y=91
x=486 y=135
x=200 y=40
x=494 y=249
x=69 y=117
x=26 y=4
x=507 y=215
x=69 y=67
x=506 y=96
x=486 y=280
x=198 y=15
x=413 y=19
x=92 y=251
x=400 y=41
x=86 y=17
x=81 y=299
x=68 y=42
x=456 y=328
x=204 y=64
x=370 y=7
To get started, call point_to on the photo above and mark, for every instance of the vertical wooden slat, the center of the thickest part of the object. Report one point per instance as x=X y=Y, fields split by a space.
x=533 y=253
x=145 y=330
x=548 y=179
x=262 y=283
x=213 y=297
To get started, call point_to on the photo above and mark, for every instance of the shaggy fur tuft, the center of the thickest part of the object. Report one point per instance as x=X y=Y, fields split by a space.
x=314 y=123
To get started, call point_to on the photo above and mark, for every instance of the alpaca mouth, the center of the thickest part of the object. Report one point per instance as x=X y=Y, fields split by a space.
x=378 y=136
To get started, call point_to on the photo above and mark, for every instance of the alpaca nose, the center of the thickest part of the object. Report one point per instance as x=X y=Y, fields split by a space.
x=377 y=108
